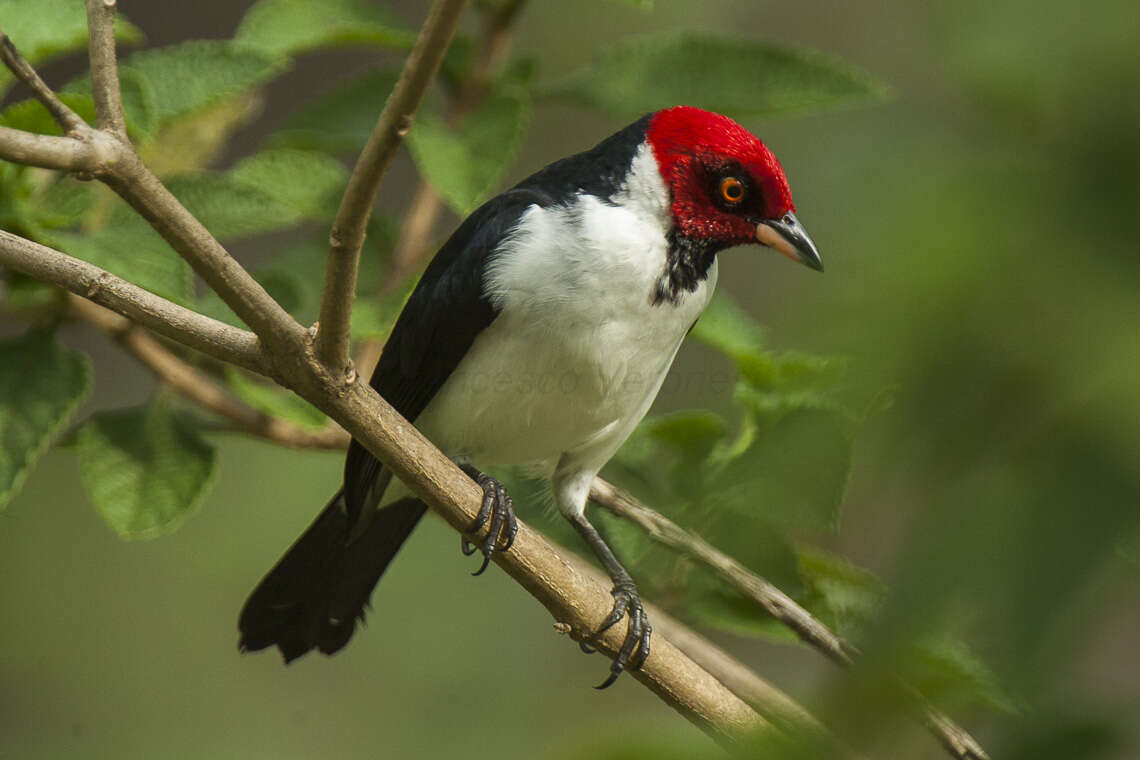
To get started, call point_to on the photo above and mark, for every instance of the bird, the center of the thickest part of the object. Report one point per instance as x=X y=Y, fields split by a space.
x=539 y=335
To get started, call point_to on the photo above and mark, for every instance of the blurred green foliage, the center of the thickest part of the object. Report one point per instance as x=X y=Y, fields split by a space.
x=982 y=290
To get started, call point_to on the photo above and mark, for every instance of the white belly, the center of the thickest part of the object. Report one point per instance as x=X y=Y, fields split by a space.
x=531 y=389
x=578 y=350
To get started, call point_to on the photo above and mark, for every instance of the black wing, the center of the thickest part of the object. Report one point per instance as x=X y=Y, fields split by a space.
x=440 y=321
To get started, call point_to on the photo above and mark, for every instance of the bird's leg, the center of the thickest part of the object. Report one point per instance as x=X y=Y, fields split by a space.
x=635 y=649
x=497 y=507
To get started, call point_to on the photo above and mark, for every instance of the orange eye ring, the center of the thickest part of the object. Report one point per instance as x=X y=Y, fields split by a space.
x=731 y=190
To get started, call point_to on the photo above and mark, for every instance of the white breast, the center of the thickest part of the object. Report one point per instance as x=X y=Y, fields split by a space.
x=578 y=350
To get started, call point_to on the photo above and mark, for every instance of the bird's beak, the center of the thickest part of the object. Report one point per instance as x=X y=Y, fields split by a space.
x=788 y=236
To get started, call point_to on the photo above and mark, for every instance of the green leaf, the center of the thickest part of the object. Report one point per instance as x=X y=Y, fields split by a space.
x=41 y=385
x=340 y=120
x=844 y=595
x=274 y=400
x=230 y=209
x=128 y=247
x=145 y=469
x=306 y=181
x=173 y=81
x=31 y=116
x=694 y=432
x=794 y=475
x=947 y=671
x=46 y=29
x=193 y=142
x=738 y=77
x=268 y=191
x=463 y=163
x=139 y=101
x=729 y=329
x=288 y=27
x=737 y=614
x=63 y=201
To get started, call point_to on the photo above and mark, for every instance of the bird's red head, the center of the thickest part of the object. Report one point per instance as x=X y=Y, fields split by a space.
x=726 y=185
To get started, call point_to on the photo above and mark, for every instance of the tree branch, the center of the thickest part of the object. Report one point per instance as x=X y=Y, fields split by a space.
x=60 y=153
x=766 y=699
x=211 y=337
x=192 y=384
x=115 y=162
x=69 y=121
x=104 y=67
x=426 y=204
x=348 y=230
x=135 y=183
x=773 y=601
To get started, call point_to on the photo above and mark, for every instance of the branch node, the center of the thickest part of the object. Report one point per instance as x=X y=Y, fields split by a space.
x=405 y=125
x=563 y=628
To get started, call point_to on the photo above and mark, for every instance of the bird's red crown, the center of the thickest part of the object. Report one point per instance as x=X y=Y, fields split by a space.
x=699 y=153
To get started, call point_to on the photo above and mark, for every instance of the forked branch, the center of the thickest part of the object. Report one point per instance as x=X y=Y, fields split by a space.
x=109 y=157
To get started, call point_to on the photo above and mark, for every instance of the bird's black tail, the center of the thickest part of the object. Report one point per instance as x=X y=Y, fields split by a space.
x=315 y=594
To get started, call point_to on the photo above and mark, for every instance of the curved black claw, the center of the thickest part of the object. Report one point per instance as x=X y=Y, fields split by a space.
x=635 y=649
x=499 y=509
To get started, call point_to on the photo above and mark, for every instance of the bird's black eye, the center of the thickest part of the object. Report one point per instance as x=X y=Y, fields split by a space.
x=731 y=190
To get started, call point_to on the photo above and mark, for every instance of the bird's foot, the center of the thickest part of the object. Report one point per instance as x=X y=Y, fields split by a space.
x=635 y=649
x=499 y=509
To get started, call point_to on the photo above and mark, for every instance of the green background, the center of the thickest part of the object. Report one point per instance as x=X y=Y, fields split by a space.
x=979 y=233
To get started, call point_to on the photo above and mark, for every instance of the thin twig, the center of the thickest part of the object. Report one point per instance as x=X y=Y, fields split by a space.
x=189 y=382
x=348 y=230
x=427 y=204
x=104 y=67
x=211 y=337
x=773 y=601
x=69 y=121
